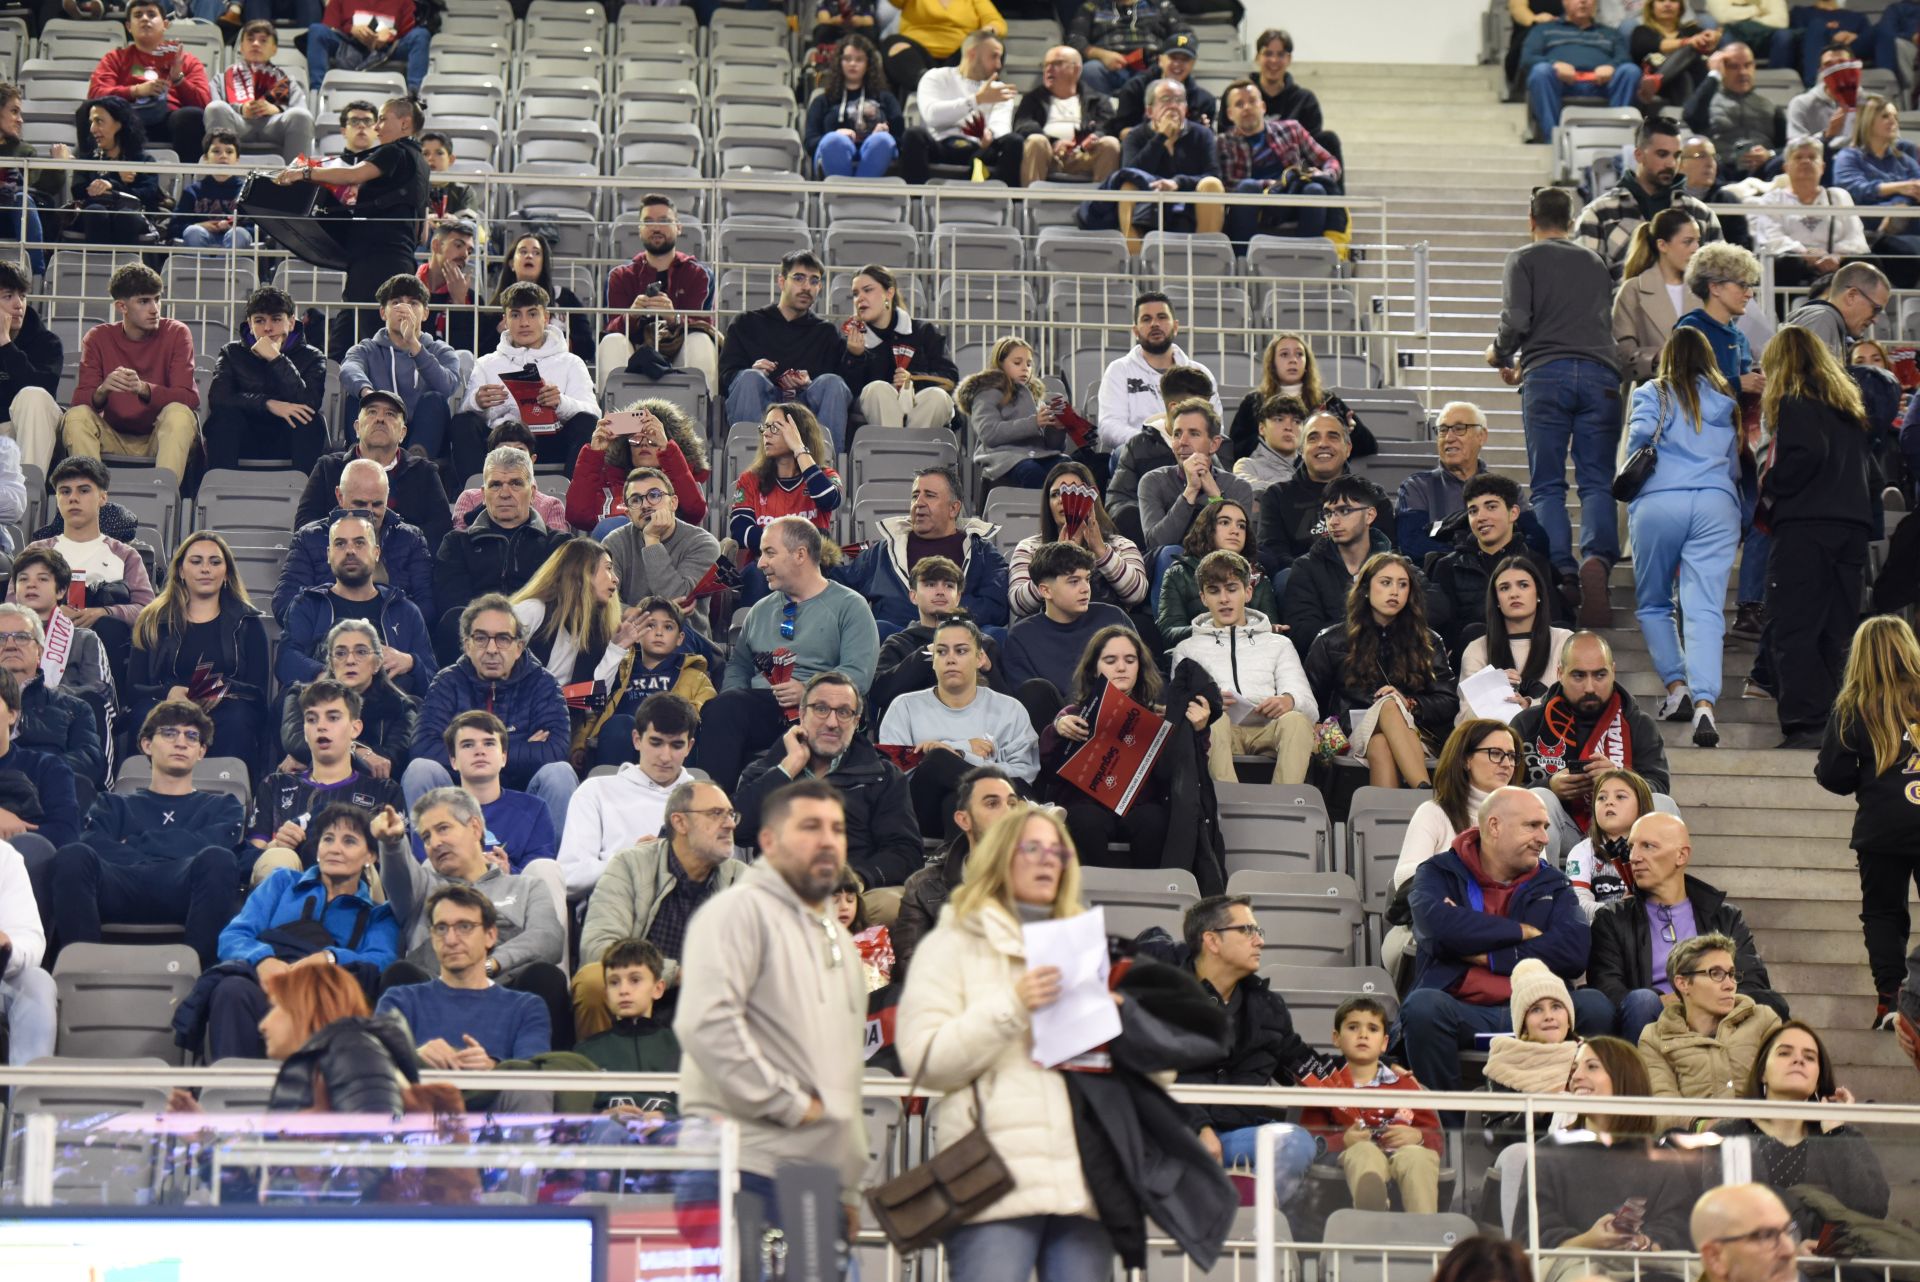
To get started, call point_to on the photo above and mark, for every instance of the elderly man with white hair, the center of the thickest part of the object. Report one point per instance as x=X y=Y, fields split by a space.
x=503 y=544
x=1062 y=124
x=1479 y=909
x=406 y=562
x=52 y=721
x=1430 y=497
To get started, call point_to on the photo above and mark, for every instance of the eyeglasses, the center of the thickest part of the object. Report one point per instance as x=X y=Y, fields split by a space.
x=1718 y=974
x=1248 y=928
x=177 y=734
x=15 y=638
x=1879 y=309
x=828 y=712
x=1498 y=756
x=1342 y=512
x=343 y=652
x=492 y=640
x=1057 y=62
x=1764 y=1236
x=363 y=122
x=461 y=929
x=718 y=814
x=1042 y=852
x=1666 y=923
x=1455 y=429
x=645 y=498
x=788 y=613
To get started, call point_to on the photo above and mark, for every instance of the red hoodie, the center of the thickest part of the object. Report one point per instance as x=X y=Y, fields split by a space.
x=123 y=68
x=340 y=14
x=1332 y=1124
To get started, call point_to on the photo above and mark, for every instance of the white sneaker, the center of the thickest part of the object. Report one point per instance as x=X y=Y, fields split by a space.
x=1705 y=733
x=1676 y=706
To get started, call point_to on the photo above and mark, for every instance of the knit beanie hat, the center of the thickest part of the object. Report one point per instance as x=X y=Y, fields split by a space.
x=1531 y=982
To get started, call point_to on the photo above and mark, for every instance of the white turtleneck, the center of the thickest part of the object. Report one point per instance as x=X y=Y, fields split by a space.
x=1428 y=833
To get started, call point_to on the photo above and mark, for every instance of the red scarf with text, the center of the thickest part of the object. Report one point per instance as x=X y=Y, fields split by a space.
x=1608 y=738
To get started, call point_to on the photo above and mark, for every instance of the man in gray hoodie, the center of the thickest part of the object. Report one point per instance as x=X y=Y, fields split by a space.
x=773 y=1008
x=404 y=359
x=656 y=553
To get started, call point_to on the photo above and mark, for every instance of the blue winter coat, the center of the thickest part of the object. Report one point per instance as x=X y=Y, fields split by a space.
x=528 y=701
x=303 y=645
x=881 y=575
x=403 y=550
x=1448 y=927
x=287 y=896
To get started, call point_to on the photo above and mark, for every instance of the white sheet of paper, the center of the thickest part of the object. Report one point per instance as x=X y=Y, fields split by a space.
x=1083 y=1016
x=1244 y=711
x=1490 y=695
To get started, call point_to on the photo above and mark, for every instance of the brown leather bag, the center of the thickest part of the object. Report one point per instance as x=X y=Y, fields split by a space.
x=919 y=1207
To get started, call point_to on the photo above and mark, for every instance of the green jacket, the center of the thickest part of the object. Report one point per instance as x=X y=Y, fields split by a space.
x=636 y=1045
x=1180 y=602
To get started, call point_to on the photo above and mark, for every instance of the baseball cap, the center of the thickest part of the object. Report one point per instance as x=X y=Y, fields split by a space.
x=1183 y=44
x=380 y=394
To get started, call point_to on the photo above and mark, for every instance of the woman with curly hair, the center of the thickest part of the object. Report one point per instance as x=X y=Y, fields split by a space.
x=1220 y=524
x=665 y=438
x=854 y=125
x=1384 y=675
x=112 y=204
x=203 y=615
x=1120 y=572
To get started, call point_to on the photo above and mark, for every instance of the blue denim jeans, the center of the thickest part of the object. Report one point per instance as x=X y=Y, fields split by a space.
x=1545 y=93
x=1574 y=404
x=1436 y=1026
x=827 y=396
x=1245 y=220
x=1292 y=1155
x=1641 y=1007
x=409 y=53
x=198 y=237
x=30 y=1004
x=22 y=222
x=839 y=156
x=1061 y=1248
x=1691 y=534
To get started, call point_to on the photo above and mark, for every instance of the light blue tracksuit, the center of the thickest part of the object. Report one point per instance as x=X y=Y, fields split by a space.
x=1686 y=520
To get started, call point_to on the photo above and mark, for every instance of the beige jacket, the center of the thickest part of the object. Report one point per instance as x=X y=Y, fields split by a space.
x=629 y=892
x=773 y=1009
x=1643 y=317
x=1682 y=1064
x=959 y=1021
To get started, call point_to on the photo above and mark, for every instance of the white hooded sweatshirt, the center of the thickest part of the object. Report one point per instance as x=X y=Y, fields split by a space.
x=1253 y=661
x=607 y=814
x=557 y=365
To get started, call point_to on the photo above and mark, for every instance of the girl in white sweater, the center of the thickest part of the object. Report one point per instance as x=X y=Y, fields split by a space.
x=1518 y=639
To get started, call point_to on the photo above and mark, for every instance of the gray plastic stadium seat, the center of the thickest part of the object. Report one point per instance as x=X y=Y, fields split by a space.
x=119 y=999
x=1313 y=993
x=233 y=499
x=153 y=495
x=1391 y=414
x=1010 y=506
x=1137 y=899
x=685 y=388
x=758 y=240
x=95 y=1168
x=852 y=242
x=1173 y=254
x=898 y=453
x=213 y=774
x=1310 y=918
x=1170 y=1264
x=865 y=514
x=1390 y=1229
x=1376 y=824
x=1063 y=250
x=239 y=1099
x=1277 y=827
x=1272 y=258
x=873 y=200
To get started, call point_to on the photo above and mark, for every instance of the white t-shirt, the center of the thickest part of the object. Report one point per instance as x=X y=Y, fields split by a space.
x=1063 y=118
x=93 y=558
x=1678 y=293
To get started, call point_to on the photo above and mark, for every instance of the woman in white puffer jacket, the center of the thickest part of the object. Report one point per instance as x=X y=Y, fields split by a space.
x=965 y=1019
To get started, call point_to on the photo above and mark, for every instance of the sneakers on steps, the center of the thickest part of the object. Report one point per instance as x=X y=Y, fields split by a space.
x=1754 y=690
x=1596 y=606
x=1705 y=733
x=1884 y=1013
x=1677 y=705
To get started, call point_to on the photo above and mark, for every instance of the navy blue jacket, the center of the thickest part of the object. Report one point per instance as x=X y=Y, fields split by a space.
x=52 y=778
x=528 y=701
x=1450 y=928
x=159 y=827
x=403 y=550
x=303 y=646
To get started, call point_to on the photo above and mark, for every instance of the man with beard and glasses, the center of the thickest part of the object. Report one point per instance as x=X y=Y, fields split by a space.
x=680 y=331
x=773 y=1006
x=1606 y=226
x=353 y=553
x=1586 y=724
x=783 y=352
x=1130 y=387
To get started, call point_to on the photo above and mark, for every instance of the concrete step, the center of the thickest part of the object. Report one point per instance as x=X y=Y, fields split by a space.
x=1771 y=916
x=1697 y=788
x=1804 y=944
x=1748 y=885
x=1831 y=1011
x=1822 y=979
x=1827 y=851
x=1733 y=734
x=1792 y=772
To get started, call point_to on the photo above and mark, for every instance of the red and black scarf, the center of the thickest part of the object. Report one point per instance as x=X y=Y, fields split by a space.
x=1559 y=726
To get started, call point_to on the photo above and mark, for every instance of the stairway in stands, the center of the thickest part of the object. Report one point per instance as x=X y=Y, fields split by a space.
x=1438 y=145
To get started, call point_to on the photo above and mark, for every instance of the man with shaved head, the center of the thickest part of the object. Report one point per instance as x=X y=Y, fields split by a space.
x=1633 y=936
x=1584 y=725
x=1744 y=1234
x=1479 y=909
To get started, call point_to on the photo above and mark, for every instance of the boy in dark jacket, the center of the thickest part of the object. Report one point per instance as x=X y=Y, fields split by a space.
x=163 y=854
x=636 y=1043
x=266 y=393
x=905 y=664
x=519 y=827
x=204 y=217
x=282 y=827
x=31 y=359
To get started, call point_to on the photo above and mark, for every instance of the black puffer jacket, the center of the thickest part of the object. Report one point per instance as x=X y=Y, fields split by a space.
x=61 y=725
x=243 y=383
x=242 y=661
x=1265 y=1050
x=1621 y=959
x=32 y=359
x=486 y=558
x=367 y=1065
x=1342 y=694
x=883 y=836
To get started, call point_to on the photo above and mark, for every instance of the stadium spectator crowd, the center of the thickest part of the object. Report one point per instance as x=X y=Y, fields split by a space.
x=592 y=773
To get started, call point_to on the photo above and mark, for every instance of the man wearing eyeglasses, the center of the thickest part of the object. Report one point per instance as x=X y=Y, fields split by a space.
x=1745 y=1234
x=52 y=720
x=164 y=854
x=461 y=1018
x=883 y=834
x=497 y=675
x=1321 y=581
x=403 y=561
x=530 y=945
x=1855 y=299
x=1427 y=498
x=804 y=626
x=656 y=553
x=1633 y=937
x=651 y=890
x=353 y=555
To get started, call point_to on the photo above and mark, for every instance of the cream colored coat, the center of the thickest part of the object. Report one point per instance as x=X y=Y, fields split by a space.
x=959 y=1020
x=1685 y=1064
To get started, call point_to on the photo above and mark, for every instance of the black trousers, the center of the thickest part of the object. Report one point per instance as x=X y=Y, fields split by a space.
x=920 y=149
x=1095 y=829
x=543 y=979
x=196 y=892
x=1884 y=919
x=933 y=784
x=467 y=438
x=736 y=726
x=1814 y=578
x=905 y=68
x=233 y=435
